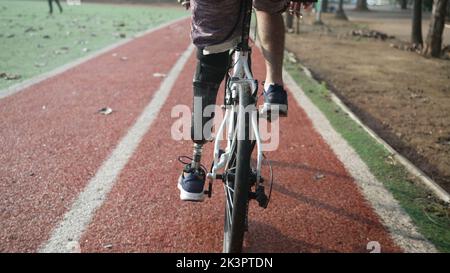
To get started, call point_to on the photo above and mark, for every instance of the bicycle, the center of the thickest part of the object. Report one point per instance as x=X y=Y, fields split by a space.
x=241 y=182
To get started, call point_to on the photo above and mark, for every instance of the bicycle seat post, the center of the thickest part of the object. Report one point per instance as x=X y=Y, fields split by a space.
x=243 y=45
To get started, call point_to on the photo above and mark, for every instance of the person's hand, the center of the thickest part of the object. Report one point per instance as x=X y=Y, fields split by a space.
x=307 y=5
x=185 y=3
x=295 y=6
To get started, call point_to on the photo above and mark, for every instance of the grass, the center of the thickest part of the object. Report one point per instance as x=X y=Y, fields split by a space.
x=429 y=215
x=32 y=42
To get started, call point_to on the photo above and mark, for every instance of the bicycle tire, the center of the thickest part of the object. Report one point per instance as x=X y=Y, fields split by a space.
x=234 y=233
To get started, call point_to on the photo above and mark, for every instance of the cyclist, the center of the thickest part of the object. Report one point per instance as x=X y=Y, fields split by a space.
x=217 y=28
x=50 y=4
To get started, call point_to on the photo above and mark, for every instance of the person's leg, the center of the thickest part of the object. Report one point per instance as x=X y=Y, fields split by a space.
x=211 y=26
x=271 y=37
x=59 y=6
x=50 y=4
x=210 y=71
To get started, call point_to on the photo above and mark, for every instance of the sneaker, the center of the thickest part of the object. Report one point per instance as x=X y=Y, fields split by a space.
x=275 y=102
x=191 y=186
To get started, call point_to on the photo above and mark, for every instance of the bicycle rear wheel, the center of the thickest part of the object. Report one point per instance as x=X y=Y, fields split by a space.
x=237 y=184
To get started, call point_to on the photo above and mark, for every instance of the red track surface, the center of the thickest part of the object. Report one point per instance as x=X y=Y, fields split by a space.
x=48 y=154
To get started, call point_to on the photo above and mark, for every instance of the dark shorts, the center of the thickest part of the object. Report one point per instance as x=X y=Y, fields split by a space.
x=215 y=24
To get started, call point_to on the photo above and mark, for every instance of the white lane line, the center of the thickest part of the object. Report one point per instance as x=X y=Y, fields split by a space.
x=92 y=197
x=392 y=215
x=27 y=83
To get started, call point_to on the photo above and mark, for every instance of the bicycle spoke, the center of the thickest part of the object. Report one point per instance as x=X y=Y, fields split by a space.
x=229 y=208
x=230 y=199
x=230 y=188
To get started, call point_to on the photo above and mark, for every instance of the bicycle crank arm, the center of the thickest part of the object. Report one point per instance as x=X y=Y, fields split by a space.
x=260 y=196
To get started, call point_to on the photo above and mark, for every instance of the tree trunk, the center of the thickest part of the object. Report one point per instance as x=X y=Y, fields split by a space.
x=433 y=43
x=340 y=13
x=324 y=5
x=427 y=5
x=318 y=20
x=416 y=33
x=404 y=4
x=289 y=21
x=361 y=5
x=448 y=11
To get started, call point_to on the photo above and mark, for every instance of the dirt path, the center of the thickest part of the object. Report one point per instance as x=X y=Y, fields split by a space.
x=401 y=95
x=397 y=22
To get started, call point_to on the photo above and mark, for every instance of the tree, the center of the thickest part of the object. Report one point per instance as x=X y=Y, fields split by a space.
x=416 y=32
x=318 y=20
x=289 y=21
x=340 y=13
x=427 y=5
x=433 y=43
x=404 y=4
x=448 y=11
x=361 y=5
x=324 y=5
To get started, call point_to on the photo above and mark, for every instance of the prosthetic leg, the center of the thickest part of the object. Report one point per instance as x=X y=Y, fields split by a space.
x=210 y=71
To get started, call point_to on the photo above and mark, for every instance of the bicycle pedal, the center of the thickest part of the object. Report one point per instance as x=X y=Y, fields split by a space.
x=261 y=197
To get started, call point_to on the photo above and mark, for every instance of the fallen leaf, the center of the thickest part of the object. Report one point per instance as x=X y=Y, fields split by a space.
x=390 y=160
x=12 y=77
x=319 y=176
x=73 y=247
x=62 y=50
x=40 y=64
x=105 y=111
x=30 y=29
x=444 y=140
x=292 y=58
x=82 y=42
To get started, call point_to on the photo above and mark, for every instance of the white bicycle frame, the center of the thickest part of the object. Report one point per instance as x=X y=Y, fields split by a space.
x=241 y=76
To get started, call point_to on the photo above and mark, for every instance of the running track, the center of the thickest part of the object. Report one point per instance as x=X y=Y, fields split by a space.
x=54 y=145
